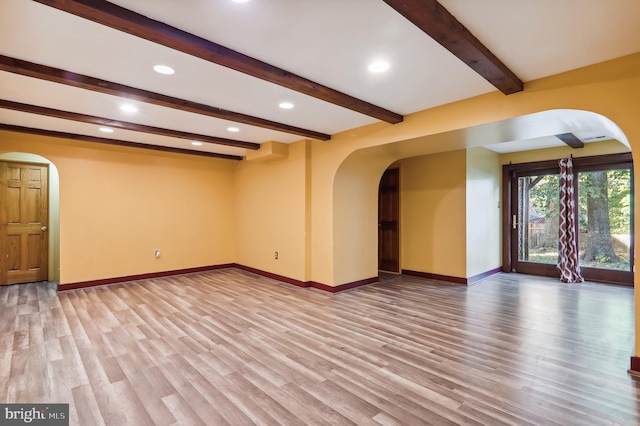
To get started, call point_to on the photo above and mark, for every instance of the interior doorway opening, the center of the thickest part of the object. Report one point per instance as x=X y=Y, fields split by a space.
x=389 y=222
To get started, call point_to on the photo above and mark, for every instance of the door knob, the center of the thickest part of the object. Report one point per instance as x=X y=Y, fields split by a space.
x=44 y=228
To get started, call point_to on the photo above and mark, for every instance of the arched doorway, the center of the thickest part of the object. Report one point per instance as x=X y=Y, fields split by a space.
x=463 y=193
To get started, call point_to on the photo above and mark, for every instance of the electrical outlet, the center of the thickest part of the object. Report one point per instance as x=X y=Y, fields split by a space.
x=276 y=255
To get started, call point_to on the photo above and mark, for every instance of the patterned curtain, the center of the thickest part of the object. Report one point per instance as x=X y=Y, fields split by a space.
x=568 y=262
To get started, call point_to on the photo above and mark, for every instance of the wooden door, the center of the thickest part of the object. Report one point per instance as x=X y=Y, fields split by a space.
x=24 y=218
x=388 y=222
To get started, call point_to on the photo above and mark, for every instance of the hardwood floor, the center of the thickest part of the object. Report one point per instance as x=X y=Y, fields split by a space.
x=229 y=347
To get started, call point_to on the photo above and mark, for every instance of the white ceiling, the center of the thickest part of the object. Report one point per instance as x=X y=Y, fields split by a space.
x=327 y=41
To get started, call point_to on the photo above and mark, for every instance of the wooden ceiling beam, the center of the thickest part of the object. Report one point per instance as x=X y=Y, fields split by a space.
x=138 y=25
x=100 y=121
x=432 y=18
x=117 y=142
x=56 y=75
x=570 y=139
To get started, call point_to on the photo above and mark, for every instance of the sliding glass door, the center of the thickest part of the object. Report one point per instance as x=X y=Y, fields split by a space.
x=604 y=191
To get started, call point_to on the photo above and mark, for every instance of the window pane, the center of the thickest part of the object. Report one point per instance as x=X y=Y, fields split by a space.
x=538 y=213
x=604 y=199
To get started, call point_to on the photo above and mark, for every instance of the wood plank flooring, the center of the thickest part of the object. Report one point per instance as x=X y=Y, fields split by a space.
x=230 y=348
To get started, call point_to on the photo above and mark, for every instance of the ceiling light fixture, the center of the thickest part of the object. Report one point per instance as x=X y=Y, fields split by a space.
x=285 y=105
x=233 y=129
x=164 y=69
x=128 y=108
x=240 y=1
x=196 y=143
x=379 y=66
x=106 y=129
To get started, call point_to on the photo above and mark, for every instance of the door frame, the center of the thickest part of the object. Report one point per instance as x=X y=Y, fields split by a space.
x=510 y=193
x=534 y=268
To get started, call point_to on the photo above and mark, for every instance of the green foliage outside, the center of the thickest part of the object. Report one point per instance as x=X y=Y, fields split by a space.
x=619 y=191
x=544 y=200
x=545 y=195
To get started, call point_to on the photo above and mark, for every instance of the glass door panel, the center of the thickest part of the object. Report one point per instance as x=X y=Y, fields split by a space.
x=538 y=218
x=604 y=200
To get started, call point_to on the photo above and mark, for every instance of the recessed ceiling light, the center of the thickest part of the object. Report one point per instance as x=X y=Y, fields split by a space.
x=233 y=129
x=128 y=108
x=164 y=69
x=196 y=143
x=378 y=66
x=240 y=1
x=285 y=105
x=106 y=129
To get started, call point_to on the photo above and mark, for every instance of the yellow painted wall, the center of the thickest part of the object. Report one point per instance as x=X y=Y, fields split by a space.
x=484 y=180
x=117 y=205
x=271 y=213
x=433 y=210
x=355 y=222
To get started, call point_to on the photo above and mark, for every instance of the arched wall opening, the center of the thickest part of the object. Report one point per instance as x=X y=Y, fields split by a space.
x=458 y=176
x=54 y=207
